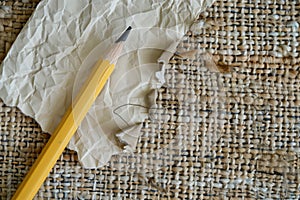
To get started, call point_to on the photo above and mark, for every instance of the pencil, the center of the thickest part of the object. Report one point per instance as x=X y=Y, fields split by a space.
x=70 y=122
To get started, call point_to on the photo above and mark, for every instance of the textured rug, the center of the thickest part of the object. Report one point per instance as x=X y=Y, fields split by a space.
x=211 y=135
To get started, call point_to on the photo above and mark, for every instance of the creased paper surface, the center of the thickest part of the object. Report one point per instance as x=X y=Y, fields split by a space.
x=64 y=38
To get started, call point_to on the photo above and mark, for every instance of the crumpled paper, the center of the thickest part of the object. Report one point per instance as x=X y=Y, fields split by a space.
x=63 y=39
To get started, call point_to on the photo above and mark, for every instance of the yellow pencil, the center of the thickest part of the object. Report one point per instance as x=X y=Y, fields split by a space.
x=69 y=124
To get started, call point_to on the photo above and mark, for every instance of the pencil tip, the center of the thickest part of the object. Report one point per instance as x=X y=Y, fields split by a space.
x=124 y=36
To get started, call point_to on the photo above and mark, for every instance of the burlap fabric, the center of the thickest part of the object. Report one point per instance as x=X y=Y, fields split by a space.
x=210 y=136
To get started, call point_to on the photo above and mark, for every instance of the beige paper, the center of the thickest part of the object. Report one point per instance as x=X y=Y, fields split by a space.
x=63 y=39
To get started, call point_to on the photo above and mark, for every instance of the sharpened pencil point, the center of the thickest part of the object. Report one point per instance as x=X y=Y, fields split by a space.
x=124 y=36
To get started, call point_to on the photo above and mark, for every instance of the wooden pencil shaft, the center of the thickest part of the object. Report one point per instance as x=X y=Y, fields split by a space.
x=67 y=127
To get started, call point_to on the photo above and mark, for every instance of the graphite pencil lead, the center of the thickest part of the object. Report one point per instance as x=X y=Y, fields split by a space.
x=124 y=36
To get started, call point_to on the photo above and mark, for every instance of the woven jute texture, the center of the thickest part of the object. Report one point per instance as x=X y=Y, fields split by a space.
x=210 y=136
